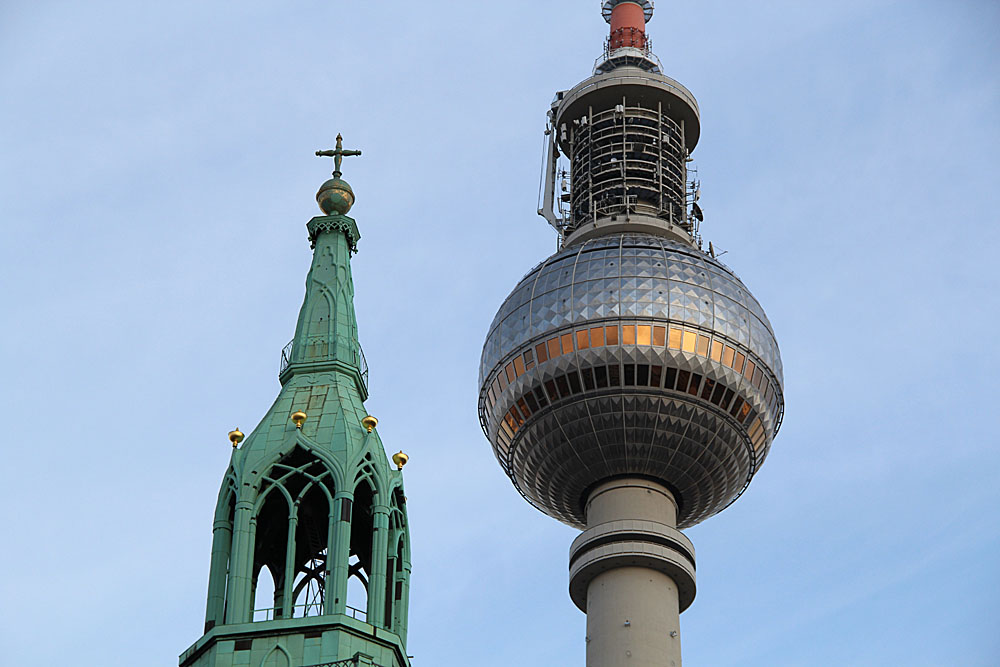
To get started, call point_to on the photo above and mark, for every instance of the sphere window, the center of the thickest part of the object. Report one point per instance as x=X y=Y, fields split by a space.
x=659 y=336
x=690 y=340
x=541 y=353
x=644 y=335
x=703 y=342
x=597 y=337
x=706 y=392
x=628 y=334
x=611 y=334
x=550 y=387
x=675 y=338
x=567 y=343
x=582 y=339
x=716 y=351
x=540 y=395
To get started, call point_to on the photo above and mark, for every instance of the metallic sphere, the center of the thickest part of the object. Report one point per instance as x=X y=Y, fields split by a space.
x=631 y=354
x=335 y=197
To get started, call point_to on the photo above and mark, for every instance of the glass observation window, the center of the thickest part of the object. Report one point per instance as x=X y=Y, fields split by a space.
x=597 y=337
x=644 y=335
x=628 y=334
x=541 y=353
x=690 y=340
x=659 y=336
x=567 y=343
x=703 y=342
x=611 y=334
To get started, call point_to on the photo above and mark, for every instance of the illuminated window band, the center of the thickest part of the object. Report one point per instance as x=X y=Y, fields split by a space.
x=633 y=375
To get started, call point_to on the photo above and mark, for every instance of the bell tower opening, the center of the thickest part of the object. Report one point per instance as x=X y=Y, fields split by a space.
x=360 y=569
x=292 y=537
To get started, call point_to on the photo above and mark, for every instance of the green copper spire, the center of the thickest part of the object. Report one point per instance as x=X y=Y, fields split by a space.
x=310 y=500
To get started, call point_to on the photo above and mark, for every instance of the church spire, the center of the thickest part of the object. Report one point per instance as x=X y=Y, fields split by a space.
x=326 y=335
x=311 y=552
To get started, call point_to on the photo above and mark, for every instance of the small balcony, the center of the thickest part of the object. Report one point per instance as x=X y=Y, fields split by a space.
x=286 y=359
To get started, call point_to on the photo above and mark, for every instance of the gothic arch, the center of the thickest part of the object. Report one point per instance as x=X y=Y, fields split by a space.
x=293 y=536
x=276 y=651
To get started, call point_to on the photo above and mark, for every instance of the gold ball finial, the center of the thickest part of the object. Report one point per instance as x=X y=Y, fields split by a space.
x=236 y=437
x=400 y=459
x=298 y=418
x=369 y=423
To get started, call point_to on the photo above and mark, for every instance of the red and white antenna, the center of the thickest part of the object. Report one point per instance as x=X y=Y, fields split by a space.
x=628 y=19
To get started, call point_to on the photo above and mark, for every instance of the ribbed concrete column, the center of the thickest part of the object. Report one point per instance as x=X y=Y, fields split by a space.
x=632 y=572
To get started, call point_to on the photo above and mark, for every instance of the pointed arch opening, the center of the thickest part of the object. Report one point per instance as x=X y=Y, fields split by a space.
x=292 y=537
x=360 y=567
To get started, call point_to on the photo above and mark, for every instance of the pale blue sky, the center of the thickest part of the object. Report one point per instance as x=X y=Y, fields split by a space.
x=156 y=179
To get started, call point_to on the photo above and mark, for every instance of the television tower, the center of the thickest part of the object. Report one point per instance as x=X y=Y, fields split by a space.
x=631 y=384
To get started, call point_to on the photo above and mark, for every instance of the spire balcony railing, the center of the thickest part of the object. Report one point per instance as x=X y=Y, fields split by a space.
x=356 y=661
x=306 y=611
x=286 y=359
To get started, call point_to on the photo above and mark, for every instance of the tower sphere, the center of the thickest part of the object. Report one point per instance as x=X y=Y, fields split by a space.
x=630 y=355
x=335 y=197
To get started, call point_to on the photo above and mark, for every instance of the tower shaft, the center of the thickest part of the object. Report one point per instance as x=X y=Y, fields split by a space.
x=634 y=573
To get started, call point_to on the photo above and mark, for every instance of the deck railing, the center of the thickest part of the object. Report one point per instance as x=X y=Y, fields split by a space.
x=286 y=359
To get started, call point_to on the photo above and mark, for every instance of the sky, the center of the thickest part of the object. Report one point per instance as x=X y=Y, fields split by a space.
x=156 y=177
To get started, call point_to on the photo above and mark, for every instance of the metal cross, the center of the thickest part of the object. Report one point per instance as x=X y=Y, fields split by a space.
x=338 y=155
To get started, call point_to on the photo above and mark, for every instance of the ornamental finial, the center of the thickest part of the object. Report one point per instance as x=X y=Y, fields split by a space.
x=335 y=197
x=338 y=155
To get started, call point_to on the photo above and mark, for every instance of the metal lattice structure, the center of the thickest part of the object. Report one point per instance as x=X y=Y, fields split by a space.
x=627 y=159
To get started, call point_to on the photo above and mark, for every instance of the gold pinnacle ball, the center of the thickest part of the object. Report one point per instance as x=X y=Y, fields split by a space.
x=369 y=423
x=400 y=459
x=298 y=418
x=236 y=436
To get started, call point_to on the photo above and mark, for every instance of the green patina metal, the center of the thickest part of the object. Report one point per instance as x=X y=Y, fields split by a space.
x=312 y=504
